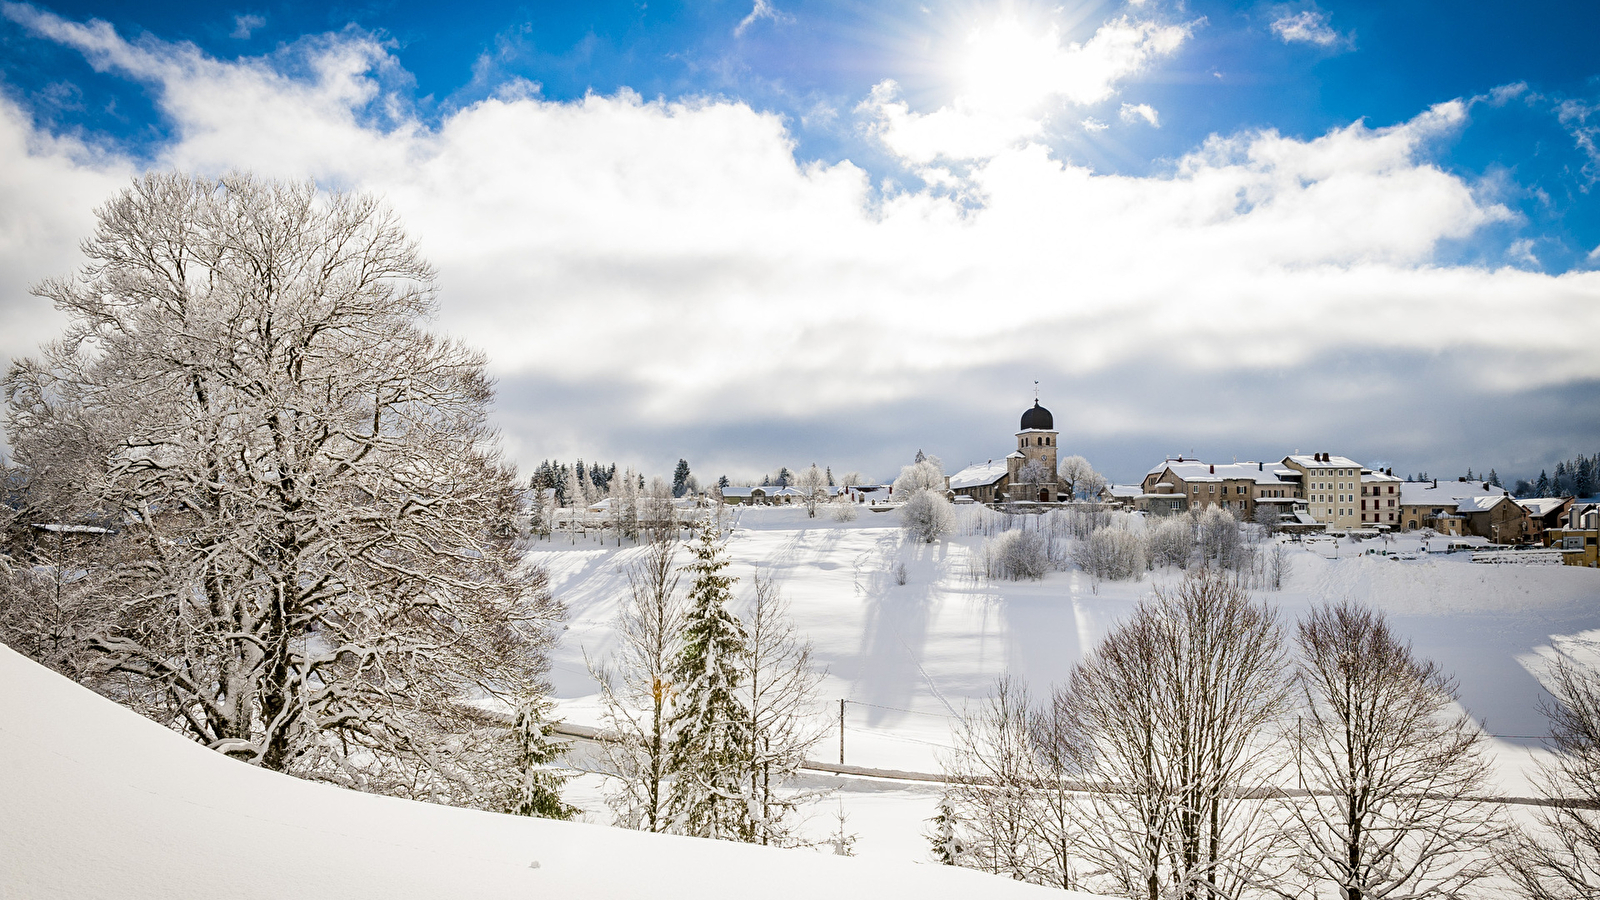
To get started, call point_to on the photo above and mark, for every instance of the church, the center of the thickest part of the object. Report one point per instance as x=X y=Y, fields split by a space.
x=1027 y=474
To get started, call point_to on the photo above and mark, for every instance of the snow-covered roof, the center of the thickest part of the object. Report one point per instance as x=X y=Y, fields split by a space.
x=1479 y=504
x=1542 y=506
x=1372 y=476
x=1194 y=470
x=978 y=475
x=1124 y=491
x=741 y=492
x=1448 y=493
x=1310 y=461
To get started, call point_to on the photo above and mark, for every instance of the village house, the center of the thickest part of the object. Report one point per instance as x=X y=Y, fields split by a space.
x=1179 y=484
x=1579 y=537
x=1462 y=507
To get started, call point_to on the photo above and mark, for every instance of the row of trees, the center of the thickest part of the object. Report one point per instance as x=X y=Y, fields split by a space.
x=707 y=714
x=1189 y=756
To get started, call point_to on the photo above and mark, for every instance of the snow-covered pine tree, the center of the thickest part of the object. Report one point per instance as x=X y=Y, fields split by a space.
x=829 y=471
x=536 y=783
x=711 y=740
x=946 y=846
x=1494 y=478
x=680 y=478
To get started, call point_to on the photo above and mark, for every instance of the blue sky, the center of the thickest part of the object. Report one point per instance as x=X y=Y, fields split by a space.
x=1424 y=174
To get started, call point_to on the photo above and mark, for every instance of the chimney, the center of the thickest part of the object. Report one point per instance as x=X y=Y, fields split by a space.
x=1213 y=470
x=1261 y=467
x=1436 y=482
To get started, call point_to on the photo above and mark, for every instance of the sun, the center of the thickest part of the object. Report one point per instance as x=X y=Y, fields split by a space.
x=1009 y=66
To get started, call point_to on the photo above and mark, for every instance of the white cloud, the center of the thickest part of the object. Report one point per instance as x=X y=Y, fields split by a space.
x=245 y=25
x=1141 y=112
x=1308 y=27
x=1012 y=75
x=1092 y=124
x=763 y=9
x=677 y=259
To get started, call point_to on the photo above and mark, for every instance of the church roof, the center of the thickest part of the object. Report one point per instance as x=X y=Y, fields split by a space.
x=1038 y=419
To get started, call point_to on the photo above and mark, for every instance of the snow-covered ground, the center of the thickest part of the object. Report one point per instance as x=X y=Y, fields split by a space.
x=907 y=657
x=96 y=801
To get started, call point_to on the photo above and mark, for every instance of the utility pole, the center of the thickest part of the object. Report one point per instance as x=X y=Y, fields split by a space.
x=841 y=731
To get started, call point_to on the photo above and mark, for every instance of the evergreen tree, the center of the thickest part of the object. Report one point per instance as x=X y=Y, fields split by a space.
x=536 y=787
x=920 y=456
x=785 y=477
x=1541 y=488
x=830 y=476
x=722 y=481
x=570 y=493
x=1469 y=474
x=680 y=478
x=947 y=847
x=710 y=723
x=1494 y=478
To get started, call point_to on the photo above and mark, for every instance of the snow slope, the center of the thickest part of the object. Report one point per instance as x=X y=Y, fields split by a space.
x=96 y=801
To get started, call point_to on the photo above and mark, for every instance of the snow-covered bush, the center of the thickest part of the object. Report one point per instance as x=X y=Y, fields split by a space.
x=927 y=516
x=1015 y=555
x=1111 y=553
x=843 y=510
x=1170 y=542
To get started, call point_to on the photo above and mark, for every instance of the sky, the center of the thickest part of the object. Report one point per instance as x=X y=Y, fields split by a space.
x=768 y=233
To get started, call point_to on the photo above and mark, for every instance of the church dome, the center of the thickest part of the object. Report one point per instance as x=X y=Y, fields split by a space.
x=1038 y=419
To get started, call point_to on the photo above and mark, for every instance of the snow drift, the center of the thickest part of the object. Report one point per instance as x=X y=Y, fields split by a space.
x=96 y=801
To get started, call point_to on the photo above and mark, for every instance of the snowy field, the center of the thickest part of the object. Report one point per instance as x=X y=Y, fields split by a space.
x=908 y=657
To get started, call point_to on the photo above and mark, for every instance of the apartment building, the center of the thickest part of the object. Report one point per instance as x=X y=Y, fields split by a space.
x=1332 y=487
x=1380 y=498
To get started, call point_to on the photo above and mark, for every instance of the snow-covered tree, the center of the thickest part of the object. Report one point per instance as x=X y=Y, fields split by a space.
x=944 y=835
x=1558 y=858
x=1171 y=713
x=780 y=686
x=314 y=566
x=852 y=479
x=927 y=516
x=1034 y=471
x=680 y=478
x=711 y=720
x=1078 y=477
x=637 y=690
x=991 y=783
x=536 y=783
x=813 y=483
x=926 y=474
x=1395 y=774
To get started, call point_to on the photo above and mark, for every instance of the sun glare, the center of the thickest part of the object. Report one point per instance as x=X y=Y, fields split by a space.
x=1008 y=67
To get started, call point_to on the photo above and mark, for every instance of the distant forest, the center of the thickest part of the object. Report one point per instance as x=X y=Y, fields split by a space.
x=1576 y=477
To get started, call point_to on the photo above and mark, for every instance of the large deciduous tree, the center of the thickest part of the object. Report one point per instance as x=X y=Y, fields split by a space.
x=1559 y=857
x=1395 y=774
x=1168 y=718
x=313 y=565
